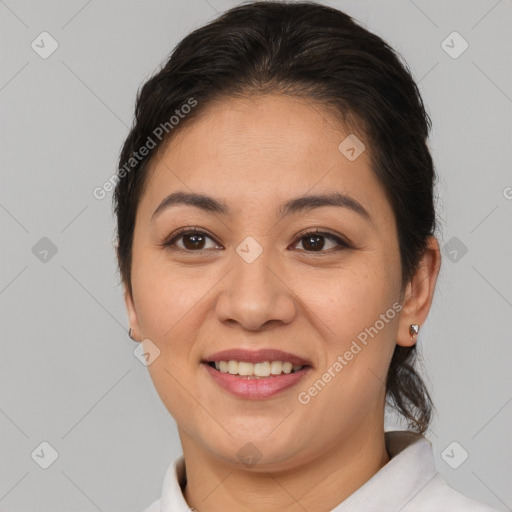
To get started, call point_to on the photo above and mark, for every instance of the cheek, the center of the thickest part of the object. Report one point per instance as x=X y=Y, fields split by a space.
x=170 y=309
x=346 y=303
x=357 y=316
x=166 y=295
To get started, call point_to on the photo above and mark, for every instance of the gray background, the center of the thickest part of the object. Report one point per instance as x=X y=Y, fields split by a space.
x=68 y=375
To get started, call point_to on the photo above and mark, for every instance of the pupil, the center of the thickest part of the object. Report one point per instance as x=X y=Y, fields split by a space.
x=197 y=238
x=310 y=241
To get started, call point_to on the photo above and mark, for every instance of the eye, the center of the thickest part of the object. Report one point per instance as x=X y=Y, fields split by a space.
x=196 y=240
x=314 y=241
x=193 y=240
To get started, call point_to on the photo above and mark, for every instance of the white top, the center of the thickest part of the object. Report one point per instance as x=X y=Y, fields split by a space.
x=409 y=482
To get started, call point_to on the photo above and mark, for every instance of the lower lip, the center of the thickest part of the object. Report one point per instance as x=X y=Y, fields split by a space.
x=255 y=388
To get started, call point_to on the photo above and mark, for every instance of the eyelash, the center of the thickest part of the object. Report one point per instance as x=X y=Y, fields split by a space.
x=343 y=244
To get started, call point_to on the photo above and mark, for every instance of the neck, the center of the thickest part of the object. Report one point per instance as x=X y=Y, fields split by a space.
x=316 y=484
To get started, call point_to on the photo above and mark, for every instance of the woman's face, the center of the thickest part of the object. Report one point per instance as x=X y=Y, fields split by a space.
x=252 y=280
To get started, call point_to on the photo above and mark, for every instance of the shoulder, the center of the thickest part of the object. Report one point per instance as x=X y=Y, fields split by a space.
x=439 y=496
x=154 y=507
x=410 y=481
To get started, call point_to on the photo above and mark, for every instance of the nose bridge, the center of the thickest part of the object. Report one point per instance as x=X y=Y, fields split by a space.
x=255 y=274
x=254 y=294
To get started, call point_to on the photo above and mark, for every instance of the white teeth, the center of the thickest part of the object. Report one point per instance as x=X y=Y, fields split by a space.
x=262 y=369
x=232 y=367
x=245 y=368
x=276 y=367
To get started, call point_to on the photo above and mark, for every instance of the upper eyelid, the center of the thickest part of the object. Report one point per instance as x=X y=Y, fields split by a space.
x=319 y=231
x=186 y=231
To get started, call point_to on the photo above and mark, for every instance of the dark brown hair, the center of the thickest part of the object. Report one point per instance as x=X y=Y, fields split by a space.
x=315 y=52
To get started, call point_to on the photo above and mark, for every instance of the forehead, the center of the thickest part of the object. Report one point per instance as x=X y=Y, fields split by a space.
x=268 y=128
x=262 y=149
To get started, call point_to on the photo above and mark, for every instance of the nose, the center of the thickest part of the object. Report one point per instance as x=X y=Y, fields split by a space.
x=256 y=295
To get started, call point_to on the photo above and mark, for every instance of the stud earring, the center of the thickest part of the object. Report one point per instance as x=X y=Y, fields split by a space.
x=414 y=329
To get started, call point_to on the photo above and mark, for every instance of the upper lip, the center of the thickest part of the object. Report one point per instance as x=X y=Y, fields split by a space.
x=256 y=356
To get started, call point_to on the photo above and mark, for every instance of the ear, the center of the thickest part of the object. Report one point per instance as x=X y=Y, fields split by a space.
x=132 y=315
x=419 y=293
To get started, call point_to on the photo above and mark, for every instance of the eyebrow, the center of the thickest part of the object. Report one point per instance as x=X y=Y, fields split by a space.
x=290 y=207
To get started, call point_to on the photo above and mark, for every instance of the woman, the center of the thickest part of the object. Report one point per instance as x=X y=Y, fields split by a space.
x=276 y=244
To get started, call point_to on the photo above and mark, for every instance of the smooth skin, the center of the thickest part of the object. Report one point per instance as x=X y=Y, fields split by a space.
x=192 y=299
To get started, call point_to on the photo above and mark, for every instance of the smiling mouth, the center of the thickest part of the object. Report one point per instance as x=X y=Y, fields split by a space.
x=261 y=370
